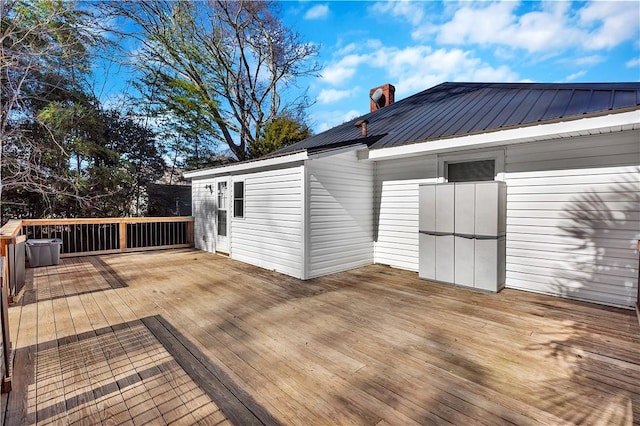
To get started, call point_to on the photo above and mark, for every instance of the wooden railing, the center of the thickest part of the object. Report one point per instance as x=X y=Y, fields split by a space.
x=83 y=237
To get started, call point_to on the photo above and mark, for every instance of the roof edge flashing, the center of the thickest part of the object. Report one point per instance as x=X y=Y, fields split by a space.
x=555 y=130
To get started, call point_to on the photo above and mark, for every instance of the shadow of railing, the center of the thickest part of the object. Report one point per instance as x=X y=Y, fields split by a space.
x=73 y=277
x=144 y=371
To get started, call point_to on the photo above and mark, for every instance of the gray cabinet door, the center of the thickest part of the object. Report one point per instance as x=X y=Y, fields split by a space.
x=486 y=265
x=427 y=208
x=464 y=205
x=445 y=208
x=445 y=258
x=464 y=261
x=427 y=257
x=486 y=214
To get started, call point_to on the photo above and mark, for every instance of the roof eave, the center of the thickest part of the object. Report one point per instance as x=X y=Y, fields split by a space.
x=247 y=165
x=616 y=121
x=280 y=160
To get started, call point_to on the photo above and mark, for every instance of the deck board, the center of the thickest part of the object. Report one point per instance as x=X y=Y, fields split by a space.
x=188 y=337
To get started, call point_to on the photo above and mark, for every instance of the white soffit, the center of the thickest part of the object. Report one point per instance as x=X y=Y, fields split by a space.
x=581 y=127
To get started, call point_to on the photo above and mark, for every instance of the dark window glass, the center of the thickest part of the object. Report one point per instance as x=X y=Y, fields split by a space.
x=222 y=223
x=471 y=171
x=238 y=199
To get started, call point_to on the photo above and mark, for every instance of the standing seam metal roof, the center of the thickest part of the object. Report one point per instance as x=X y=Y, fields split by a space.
x=458 y=109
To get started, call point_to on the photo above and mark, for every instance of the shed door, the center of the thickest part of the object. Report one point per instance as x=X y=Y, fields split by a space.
x=222 y=215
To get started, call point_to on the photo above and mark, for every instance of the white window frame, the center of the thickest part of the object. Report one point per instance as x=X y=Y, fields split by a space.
x=496 y=155
x=244 y=199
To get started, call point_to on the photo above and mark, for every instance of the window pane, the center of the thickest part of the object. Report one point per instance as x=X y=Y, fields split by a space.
x=238 y=189
x=238 y=199
x=471 y=171
x=238 y=208
x=222 y=195
x=222 y=223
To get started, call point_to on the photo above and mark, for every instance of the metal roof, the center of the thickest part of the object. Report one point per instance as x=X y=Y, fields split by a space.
x=458 y=109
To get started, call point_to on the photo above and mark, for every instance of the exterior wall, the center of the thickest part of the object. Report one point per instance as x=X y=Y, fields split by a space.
x=573 y=217
x=271 y=233
x=203 y=210
x=396 y=209
x=340 y=214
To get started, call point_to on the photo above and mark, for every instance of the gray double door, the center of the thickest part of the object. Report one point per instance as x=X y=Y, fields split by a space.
x=462 y=234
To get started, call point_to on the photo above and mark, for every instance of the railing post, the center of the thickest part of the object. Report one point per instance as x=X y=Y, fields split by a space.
x=190 y=233
x=123 y=236
x=5 y=386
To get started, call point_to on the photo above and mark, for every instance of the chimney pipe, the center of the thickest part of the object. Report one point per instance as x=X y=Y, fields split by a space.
x=382 y=98
x=363 y=127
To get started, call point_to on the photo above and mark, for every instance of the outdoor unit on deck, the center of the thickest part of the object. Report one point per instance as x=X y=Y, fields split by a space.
x=462 y=234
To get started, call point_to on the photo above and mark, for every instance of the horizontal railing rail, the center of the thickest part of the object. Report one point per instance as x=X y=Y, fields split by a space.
x=83 y=236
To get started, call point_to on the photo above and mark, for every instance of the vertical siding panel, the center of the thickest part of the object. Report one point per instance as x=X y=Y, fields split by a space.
x=573 y=217
x=340 y=221
x=270 y=234
x=396 y=208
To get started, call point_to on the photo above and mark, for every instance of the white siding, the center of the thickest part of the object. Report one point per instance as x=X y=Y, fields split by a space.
x=573 y=217
x=270 y=234
x=203 y=203
x=396 y=208
x=340 y=214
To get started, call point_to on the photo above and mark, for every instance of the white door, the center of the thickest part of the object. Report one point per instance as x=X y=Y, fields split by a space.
x=222 y=215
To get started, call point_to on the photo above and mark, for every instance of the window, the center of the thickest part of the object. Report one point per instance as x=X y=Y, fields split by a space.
x=222 y=209
x=238 y=199
x=471 y=171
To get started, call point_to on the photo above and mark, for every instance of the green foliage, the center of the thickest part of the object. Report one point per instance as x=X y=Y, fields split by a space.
x=62 y=154
x=278 y=133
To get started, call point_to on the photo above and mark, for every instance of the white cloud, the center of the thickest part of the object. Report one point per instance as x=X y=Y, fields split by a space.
x=553 y=28
x=633 y=63
x=327 y=96
x=418 y=67
x=576 y=75
x=497 y=23
x=318 y=11
x=343 y=70
x=588 y=60
x=410 y=11
x=614 y=23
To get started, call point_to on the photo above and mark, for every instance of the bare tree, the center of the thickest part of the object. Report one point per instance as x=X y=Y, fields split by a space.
x=225 y=67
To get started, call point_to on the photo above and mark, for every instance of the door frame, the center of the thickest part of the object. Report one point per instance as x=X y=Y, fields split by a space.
x=223 y=244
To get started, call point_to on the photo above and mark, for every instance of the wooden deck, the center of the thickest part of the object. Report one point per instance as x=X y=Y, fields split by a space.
x=189 y=337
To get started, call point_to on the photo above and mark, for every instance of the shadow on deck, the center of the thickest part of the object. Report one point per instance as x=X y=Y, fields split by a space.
x=188 y=337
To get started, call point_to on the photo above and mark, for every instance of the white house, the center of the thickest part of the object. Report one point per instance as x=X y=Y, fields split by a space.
x=348 y=197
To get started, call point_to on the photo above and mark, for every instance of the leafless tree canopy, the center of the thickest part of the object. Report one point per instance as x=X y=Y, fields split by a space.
x=226 y=67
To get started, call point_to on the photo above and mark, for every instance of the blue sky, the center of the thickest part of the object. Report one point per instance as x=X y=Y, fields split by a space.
x=415 y=45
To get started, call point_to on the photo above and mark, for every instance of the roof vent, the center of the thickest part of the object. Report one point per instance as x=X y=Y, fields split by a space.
x=382 y=96
x=363 y=127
